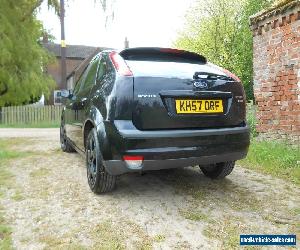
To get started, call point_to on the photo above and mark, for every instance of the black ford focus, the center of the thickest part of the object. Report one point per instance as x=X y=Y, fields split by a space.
x=154 y=108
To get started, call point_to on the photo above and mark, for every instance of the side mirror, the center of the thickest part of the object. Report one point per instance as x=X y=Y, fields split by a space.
x=66 y=93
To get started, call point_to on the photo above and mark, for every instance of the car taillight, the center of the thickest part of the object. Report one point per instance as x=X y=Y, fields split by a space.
x=133 y=162
x=120 y=64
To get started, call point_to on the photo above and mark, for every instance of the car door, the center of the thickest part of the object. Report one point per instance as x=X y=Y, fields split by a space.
x=80 y=103
x=71 y=110
x=83 y=102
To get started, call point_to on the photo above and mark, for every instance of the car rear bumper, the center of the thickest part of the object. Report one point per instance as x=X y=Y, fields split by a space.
x=117 y=167
x=163 y=149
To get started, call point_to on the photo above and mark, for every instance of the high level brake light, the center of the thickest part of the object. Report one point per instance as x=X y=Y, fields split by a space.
x=169 y=50
x=120 y=64
x=133 y=162
x=226 y=72
x=233 y=76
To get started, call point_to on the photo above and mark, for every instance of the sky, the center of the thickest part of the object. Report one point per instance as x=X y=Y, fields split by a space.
x=144 y=22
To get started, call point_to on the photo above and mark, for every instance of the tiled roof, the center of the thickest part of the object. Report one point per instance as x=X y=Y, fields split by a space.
x=72 y=51
x=279 y=6
x=280 y=3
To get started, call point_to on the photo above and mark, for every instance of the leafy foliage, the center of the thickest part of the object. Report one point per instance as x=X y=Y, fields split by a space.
x=275 y=158
x=219 y=29
x=251 y=119
x=22 y=58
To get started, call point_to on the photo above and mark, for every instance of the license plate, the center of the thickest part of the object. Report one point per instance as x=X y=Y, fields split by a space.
x=198 y=106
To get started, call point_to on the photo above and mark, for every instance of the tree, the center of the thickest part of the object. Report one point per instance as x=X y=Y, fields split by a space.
x=219 y=29
x=22 y=58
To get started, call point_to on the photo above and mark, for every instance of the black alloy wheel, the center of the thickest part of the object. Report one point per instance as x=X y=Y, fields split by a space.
x=64 y=143
x=99 y=180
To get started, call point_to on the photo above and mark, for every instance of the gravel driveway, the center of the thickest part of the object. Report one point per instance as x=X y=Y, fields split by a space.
x=49 y=204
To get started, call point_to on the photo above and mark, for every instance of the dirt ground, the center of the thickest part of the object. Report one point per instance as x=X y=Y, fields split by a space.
x=49 y=205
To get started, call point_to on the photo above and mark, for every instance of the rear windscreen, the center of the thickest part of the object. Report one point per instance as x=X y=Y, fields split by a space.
x=168 y=69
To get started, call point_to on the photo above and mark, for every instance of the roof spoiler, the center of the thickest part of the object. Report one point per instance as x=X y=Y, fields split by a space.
x=152 y=53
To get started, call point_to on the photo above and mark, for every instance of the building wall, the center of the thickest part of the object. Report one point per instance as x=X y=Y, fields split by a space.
x=276 y=45
x=55 y=71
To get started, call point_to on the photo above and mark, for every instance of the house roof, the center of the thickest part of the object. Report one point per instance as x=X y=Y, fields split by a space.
x=279 y=6
x=72 y=51
x=81 y=67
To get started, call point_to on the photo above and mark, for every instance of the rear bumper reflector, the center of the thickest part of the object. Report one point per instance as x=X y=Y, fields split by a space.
x=133 y=162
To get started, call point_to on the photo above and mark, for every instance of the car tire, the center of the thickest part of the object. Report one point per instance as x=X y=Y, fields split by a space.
x=218 y=170
x=64 y=141
x=99 y=180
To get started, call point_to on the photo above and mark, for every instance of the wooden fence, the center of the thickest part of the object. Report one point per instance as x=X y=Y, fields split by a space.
x=30 y=115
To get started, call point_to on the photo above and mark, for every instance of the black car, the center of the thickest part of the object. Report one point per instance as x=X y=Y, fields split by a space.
x=154 y=108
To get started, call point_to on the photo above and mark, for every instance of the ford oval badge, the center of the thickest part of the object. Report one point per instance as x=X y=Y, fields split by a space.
x=200 y=84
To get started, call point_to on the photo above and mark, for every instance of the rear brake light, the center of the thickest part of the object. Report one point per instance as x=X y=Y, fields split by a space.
x=231 y=75
x=133 y=162
x=226 y=72
x=174 y=51
x=120 y=64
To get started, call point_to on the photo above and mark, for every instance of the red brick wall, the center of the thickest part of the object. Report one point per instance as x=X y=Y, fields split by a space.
x=276 y=45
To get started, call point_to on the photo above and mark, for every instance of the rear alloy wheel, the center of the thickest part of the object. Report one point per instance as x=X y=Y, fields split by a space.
x=218 y=170
x=99 y=180
x=64 y=143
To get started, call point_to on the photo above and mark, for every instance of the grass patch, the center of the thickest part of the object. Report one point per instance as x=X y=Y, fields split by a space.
x=226 y=232
x=275 y=219
x=109 y=237
x=193 y=215
x=62 y=243
x=6 y=181
x=121 y=235
x=41 y=172
x=5 y=233
x=18 y=196
x=206 y=191
x=5 y=153
x=32 y=125
x=274 y=158
x=251 y=120
x=159 y=238
x=44 y=193
x=295 y=211
x=5 y=177
x=5 y=156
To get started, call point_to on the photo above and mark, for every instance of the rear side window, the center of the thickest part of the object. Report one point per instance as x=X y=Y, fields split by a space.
x=91 y=75
x=101 y=70
x=81 y=80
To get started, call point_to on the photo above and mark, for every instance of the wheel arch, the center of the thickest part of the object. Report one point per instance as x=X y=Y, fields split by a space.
x=94 y=120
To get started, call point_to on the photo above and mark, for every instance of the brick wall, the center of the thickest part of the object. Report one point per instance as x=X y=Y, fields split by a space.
x=276 y=62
